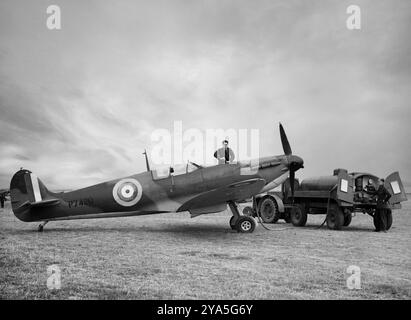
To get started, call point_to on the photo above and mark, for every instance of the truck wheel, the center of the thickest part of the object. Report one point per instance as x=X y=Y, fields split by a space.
x=335 y=218
x=245 y=224
x=347 y=219
x=388 y=222
x=287 y=217
x=248 y=211
x=298 y=215
x=268 y=210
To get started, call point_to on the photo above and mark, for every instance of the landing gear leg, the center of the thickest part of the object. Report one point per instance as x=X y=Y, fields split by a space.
x=243 y=224
x=41 y=226
x=236 y=215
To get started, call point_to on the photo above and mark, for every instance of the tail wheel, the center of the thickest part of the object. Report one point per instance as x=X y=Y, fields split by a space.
x=268 y=210
x=245 y=224
x=347 y=219
x=298 y=215
x=335 y=218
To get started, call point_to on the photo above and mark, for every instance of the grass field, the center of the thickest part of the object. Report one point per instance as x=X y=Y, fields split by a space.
x=171 y=256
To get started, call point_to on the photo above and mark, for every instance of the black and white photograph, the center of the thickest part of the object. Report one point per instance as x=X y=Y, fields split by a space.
x=229 y=151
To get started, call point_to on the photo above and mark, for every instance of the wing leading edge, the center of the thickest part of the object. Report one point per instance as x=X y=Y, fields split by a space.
x=216 y=200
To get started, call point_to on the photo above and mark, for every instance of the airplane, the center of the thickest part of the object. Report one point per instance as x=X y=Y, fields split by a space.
x=197 y=189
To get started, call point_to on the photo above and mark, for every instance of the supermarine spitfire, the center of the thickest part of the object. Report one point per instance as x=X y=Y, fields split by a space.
x=197 y=189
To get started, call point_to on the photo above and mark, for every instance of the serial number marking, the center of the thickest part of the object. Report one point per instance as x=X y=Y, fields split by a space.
x=80 y=202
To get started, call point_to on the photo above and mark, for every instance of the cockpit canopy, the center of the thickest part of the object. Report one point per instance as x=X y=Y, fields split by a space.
x=176 y=170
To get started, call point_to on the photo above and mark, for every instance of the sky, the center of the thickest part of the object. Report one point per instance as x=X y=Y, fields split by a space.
x=79 y=105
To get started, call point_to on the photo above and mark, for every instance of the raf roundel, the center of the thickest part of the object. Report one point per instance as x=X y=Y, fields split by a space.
x=127 y=192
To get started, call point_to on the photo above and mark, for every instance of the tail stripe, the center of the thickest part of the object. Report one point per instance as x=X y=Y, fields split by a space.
x=36 y=188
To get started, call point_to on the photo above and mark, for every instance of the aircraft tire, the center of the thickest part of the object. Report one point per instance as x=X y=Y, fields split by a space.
x=245 y=224
x=298 y=215
x=232 y=224
x=335 y=218
x=40 y=228
x=268 y=210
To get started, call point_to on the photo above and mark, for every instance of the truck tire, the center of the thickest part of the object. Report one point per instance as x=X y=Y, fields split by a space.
x=287 y=217
x=248 y=211
x=335 y=218
x=268 y=210
x=347 y=219
x=388 y=221
x=299 y=215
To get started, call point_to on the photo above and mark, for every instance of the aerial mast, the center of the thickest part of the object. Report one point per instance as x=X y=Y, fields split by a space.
x=147 y=163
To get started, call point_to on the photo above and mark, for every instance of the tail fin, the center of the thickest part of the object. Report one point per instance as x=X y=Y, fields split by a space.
x=27 y=191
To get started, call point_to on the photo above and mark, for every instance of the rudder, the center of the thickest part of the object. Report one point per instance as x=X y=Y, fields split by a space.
x=25 y=188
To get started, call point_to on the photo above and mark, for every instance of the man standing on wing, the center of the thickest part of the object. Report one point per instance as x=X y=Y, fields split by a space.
x=224 y=155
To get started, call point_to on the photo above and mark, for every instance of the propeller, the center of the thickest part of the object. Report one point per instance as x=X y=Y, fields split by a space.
x=292 y=179
x=294 y=162
x=284 y=141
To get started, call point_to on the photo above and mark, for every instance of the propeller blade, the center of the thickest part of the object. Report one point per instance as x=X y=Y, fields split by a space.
x=284 y=141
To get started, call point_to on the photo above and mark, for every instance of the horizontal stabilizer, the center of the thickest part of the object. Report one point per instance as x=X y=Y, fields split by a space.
x=44 y=203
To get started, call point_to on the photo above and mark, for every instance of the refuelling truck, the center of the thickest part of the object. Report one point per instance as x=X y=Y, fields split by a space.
x=338 y=196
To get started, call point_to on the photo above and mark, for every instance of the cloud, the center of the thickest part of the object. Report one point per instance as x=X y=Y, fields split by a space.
x=78 y=105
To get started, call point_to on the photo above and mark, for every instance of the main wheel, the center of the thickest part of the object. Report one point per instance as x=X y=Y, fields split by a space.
x=245 y=224
x=335 y=218
x=268 y=210
x=299 y=215
x=40 y=228
x=347 y=219
x=376 y=222
x=232 y=224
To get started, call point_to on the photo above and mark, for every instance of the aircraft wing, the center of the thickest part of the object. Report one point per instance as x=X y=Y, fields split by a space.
x=232 y=192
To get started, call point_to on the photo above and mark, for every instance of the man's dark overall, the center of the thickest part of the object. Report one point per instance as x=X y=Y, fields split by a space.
x=381 y=212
